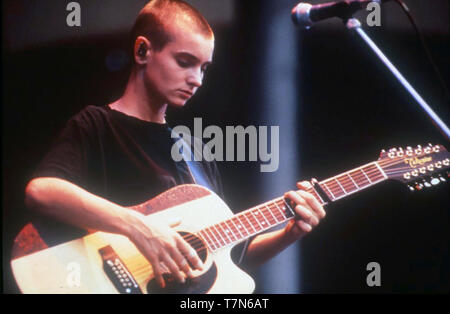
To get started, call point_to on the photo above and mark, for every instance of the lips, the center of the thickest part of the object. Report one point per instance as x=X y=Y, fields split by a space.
x=186 y=93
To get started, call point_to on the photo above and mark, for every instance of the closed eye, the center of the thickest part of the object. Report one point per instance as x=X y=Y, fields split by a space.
x=183 y=63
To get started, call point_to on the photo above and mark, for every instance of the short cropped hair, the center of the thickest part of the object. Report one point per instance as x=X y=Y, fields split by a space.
x=152 y=22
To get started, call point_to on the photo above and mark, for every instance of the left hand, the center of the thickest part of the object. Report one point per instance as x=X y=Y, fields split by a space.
x=309 y=212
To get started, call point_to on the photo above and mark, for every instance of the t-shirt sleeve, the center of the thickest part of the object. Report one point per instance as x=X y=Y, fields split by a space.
x=67 y=158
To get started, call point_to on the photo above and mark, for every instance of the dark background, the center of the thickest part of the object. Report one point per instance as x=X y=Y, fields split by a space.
x=350 y=109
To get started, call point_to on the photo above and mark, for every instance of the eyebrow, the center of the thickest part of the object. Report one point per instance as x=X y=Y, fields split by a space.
x=192 y=57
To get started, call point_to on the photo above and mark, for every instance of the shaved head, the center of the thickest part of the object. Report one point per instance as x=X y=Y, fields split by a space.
x=159 y=17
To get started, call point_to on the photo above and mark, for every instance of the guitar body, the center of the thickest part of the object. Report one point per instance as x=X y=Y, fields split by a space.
x=78 y=267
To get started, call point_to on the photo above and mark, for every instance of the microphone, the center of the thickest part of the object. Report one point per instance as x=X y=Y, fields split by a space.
x=305 y=14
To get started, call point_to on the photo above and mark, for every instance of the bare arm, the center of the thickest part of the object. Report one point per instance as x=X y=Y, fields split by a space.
x=309 y=213
x=71 y=204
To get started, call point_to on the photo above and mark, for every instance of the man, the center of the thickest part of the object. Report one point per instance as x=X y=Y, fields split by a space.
x=119 y=155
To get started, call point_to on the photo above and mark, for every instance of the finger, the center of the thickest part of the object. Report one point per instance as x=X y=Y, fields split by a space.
x=307 y=215
x=173 y=267
x=189 y=252
x=296 y=198
x=305 y=227
x=158 y=272
x=313 y=203
x=304 y=185
x=180 y=261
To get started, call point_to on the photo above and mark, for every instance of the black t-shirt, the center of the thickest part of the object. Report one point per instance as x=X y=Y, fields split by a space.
x=120 y=158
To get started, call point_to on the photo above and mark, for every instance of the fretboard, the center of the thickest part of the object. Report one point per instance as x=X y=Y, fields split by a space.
x=275 y=212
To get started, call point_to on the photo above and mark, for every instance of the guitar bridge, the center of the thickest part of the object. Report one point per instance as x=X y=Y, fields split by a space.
x=117 y=272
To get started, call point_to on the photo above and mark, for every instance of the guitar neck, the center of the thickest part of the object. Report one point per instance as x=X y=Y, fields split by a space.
x=275 y=212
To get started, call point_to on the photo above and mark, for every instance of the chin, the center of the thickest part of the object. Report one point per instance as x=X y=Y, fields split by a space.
x=177 y=103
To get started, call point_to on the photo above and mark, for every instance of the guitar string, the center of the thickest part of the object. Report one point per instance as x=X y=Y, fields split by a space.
x=198 y=238
x=263 y=209
x=346 y=183
x=343 y=180
x=356 y=175
x=234 y=234
x=278 y=214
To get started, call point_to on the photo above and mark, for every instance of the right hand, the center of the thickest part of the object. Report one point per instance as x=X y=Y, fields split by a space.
x=165 y=249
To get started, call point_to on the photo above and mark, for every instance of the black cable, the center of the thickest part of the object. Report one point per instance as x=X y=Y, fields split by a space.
x=425 y=47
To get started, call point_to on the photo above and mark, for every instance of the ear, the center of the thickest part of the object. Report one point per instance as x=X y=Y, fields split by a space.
x=142 y=50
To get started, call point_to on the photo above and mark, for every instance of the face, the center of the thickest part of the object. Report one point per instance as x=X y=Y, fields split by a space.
x=174 y=74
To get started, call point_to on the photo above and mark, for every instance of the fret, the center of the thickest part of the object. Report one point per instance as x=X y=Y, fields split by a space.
x=223 y=233
x=361 y=177
x=250 y=223
x=349 y=186
x=242 y=235
x=270 y=211
x=265 y=218
x=335 y=188
x=220 y=238
x=362 y=170
x=339 y=183
x=235 y=233
x=289 y=207
x=228 y=232
x=251 y=212
x=240 y=226
x=216 y=241
x=381 y=170
x=207 y=240
x=329 y=191
x=282 y=214
x=354 y=182
x=317 y=196
x=375 y=174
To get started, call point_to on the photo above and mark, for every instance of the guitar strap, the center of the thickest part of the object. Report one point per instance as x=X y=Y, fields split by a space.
x=195 y=167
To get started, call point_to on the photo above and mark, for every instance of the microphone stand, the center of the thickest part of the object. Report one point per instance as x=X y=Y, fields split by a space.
x=354 y=25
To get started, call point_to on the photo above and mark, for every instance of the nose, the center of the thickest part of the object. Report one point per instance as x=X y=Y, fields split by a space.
x=195 y=78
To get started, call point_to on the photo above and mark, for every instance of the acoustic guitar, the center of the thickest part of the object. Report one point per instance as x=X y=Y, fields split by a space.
x=109 y=263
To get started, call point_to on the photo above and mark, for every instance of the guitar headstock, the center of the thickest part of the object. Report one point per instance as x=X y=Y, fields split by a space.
x=418 y=167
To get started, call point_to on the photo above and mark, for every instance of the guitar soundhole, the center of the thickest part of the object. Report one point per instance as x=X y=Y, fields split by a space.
x=200 y=284
x=196 y=243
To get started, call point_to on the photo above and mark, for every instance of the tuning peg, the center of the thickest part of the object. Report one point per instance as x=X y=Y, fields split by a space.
x=411 y=188
x=442 y=178
x=418 y=150
x=409 y=151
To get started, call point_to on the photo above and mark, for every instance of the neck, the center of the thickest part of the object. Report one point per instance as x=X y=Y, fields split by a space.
x=263 y=217
x=138 y=102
